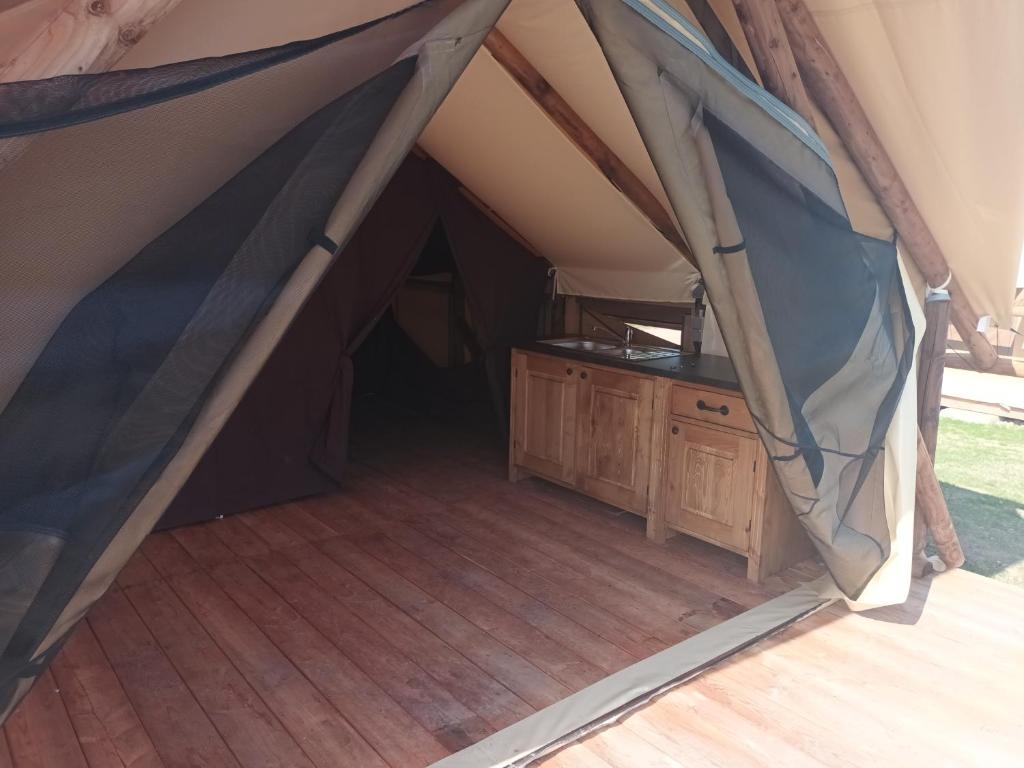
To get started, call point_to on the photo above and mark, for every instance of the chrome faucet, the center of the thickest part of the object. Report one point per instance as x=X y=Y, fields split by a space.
x=627 y=340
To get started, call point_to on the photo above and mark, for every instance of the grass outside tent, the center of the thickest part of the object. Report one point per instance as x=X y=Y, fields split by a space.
x=981 y=469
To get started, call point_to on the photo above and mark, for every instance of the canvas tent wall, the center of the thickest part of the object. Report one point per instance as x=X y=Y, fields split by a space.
x=118 y=382
x=107 y=157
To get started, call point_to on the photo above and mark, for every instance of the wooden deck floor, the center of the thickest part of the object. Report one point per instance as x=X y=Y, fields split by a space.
x=427 y=606
x=936 y=682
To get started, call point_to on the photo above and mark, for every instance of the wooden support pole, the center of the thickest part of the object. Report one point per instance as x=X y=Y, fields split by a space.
x=580 y=134
x=763 y=28
x=931 y=508
x=931 y=366
x=828 y=86
x=929 y=401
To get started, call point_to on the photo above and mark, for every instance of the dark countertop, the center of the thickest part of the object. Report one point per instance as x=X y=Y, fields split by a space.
x=711 y=370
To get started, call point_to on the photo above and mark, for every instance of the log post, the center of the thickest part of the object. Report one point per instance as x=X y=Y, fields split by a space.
x=763 y=28
x=931 y=366
x=929 y=402
x=828 y=86
x=931 y=507
x=585 y=139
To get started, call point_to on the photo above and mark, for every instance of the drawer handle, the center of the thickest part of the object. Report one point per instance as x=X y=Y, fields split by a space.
x=568 y=371
x=675 y=430
x=583 y=375
x=702 y=406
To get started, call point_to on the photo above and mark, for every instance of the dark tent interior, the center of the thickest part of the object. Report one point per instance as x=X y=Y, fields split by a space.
x=421 y=307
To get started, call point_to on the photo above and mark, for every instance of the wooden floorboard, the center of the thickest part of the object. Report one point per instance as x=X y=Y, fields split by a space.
x=105 y=720
x=245 y=722
x=427 y=605
x=936 y=681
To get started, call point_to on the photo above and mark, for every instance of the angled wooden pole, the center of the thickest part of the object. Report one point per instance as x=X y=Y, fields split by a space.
x=763 y=28
x=828 y=86
x=581 y=134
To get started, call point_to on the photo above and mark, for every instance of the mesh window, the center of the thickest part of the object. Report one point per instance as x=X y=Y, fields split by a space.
x=839 y=326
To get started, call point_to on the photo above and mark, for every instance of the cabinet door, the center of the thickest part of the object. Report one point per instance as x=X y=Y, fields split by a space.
x=544 y=428
x=616 y=417
x=709 y=475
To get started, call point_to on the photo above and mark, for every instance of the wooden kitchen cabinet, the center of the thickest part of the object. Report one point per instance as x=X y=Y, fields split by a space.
x=686 y=456
x=711 y=479
x=613 y=445
x=709 y=482
x=544 y=405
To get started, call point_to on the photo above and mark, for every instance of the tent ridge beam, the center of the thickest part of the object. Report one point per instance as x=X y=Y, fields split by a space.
x=584 y=138
x=828 y=86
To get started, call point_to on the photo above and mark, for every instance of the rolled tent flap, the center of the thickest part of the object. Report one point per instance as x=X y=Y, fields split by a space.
x=159 y=235
x=813 y=313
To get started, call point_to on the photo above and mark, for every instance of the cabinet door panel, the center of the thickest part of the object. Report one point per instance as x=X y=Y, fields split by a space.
x=545 y=430
x=615 y=437
x=710 y=483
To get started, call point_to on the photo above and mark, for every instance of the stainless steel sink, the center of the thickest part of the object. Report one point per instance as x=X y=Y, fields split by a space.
x=583 y=345
x=635 y=352
x=639 y=353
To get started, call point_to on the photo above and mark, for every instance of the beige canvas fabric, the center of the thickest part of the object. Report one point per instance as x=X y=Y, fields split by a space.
x=47 y=227
x=495 y=139
x=941 y=81
x=443 y=55
x=938 y=78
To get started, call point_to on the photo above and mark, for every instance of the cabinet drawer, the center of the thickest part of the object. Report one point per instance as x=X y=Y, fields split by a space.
x=711 y=406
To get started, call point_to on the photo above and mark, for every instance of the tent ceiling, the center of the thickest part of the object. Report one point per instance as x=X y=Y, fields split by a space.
x=494 y=138
x=938 y=80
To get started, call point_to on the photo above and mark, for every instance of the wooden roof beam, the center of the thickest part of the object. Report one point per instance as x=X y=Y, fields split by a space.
x=588 y=142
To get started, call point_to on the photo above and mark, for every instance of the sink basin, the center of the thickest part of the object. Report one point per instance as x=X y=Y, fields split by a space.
x=610 y=349
x=638 y=353
x=584 y=345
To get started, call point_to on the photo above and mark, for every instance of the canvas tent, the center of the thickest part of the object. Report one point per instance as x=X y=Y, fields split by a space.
x=167 y=224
